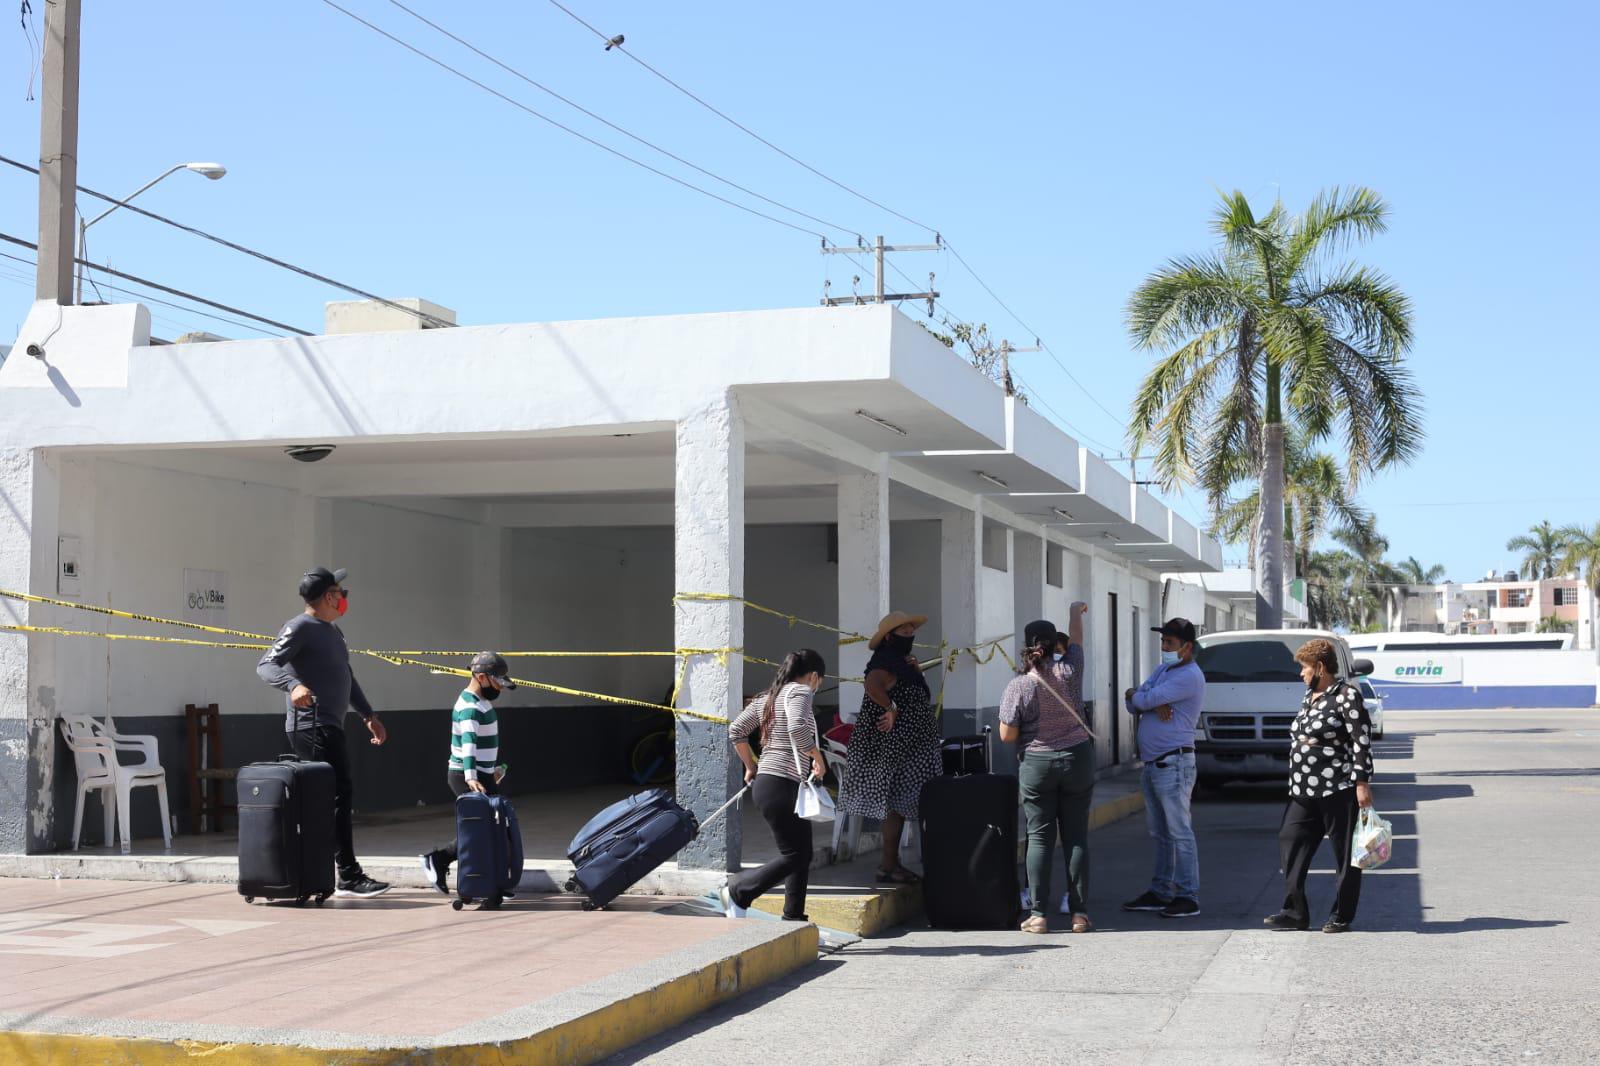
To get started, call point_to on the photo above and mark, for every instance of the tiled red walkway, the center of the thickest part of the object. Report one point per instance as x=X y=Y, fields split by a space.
x=402 y=963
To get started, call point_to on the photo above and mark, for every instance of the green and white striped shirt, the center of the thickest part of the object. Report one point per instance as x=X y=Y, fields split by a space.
x=474 y=736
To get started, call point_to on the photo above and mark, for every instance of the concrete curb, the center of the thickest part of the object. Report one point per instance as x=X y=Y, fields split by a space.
x=576 y=1027
x=870 y=912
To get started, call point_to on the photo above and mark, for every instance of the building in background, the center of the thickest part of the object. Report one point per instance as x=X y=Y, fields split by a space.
x=1504 y=607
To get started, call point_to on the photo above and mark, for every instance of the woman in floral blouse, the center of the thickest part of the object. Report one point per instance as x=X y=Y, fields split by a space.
x=1330 y=774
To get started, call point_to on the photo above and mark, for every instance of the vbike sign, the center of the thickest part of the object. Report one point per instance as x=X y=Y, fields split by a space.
x=1419 y=669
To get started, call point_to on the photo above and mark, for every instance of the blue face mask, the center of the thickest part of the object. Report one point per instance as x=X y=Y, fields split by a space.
x=1170 y=658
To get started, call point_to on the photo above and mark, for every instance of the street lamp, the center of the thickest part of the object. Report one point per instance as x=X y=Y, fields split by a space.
x=213 y=171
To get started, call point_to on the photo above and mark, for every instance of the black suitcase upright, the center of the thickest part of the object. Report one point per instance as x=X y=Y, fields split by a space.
x=488 y=850
x=286 y=830
x=625 y=842
x=969 y=845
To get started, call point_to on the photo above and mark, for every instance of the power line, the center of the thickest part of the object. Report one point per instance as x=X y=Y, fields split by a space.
x=158 y=300
x=9 y=239
x=737 y=124
x=514 y=72
x=519 y=105
x=213 y=238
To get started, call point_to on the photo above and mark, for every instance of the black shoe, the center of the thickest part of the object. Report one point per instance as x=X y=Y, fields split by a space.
x=1284 y=921
x=1334 y=925
x=1147 y=902
x=362 y=887
x=437 y=867
x=1182 y=907
x=802 y=918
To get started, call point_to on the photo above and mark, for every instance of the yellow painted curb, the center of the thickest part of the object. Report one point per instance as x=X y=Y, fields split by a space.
x=1115 y=810
x=864 y=914
x=572 y=1043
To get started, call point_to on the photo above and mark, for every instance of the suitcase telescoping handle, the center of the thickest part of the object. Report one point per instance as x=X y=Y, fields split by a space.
x=315 y=739
x=720 y=811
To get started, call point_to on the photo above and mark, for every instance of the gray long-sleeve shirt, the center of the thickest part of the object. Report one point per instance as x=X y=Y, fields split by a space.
x=313 y=653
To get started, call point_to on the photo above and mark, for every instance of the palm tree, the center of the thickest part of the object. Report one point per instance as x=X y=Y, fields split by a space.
x=1544 y=545
x=1316 y=498
x=1581 y=555
x=1266 y=333
x=1413 y=573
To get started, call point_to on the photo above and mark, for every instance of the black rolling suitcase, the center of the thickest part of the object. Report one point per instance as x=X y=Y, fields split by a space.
x=627 y=840
x=488 y=850
x=969 y=849
x=286 y=830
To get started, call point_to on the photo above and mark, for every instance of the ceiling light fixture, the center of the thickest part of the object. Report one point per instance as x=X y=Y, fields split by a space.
x=1111 y=536
x=991 y=479
x=1063 y=514
x=885 y=423
x=308 y=453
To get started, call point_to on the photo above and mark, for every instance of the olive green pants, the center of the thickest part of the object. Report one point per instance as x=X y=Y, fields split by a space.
x=1057 y=790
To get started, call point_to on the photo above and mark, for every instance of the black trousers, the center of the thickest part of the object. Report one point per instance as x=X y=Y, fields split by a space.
x=1305 y=822
x=458 y=784
x=327 y=744
x=775 y=798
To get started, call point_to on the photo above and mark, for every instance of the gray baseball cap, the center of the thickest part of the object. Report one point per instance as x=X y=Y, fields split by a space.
x=493 y=664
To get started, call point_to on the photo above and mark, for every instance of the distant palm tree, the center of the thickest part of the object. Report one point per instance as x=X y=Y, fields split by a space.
x=1544 y=545
x=1268 y=334
x=1582 y=556
x=1316 y=498
x=1412 y=571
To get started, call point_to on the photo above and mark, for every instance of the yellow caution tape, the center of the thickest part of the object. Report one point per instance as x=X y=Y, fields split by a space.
x=111 y=613
x=58 y=632
x=848 y=636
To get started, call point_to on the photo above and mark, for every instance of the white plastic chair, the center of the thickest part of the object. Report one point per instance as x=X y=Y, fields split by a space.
x=836 y=755
x=94 y=748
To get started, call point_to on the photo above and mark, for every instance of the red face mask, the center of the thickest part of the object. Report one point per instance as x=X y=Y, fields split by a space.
x=344 y=603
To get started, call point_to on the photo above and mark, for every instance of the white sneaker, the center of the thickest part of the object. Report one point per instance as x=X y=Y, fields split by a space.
x=730 y=909
x=1065 y=907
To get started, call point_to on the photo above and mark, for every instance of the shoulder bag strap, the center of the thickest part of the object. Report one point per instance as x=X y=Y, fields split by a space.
x=1042 y=683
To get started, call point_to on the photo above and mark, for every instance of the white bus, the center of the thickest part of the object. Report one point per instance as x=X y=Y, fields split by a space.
x=1368 y=642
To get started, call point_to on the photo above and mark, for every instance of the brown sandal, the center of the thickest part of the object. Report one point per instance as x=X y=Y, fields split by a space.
x=1082 y=924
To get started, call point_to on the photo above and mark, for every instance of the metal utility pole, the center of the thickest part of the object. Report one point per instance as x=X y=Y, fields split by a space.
x=879 y=296
x=58 y=150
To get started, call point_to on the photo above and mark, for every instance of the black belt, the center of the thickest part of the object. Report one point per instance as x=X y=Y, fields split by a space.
x=1174 y=751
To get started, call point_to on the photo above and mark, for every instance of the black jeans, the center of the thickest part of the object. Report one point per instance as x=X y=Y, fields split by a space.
x=328 y=745
x=458 y=784
x=775 y=798
x=1305 y=822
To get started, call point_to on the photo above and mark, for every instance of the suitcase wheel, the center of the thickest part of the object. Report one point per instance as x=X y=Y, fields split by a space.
x=457 y=904
x=322 y=897
x=492 y=903
x=571 y=885
x=300 y=901
x=249 y=899
x=588 y=905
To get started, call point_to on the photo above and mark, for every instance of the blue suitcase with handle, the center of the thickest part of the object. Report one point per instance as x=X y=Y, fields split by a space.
x=488 y=850
x=624 y=842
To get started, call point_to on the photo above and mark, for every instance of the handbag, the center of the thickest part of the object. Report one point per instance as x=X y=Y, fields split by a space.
x=1372 y=843
x=812 y=802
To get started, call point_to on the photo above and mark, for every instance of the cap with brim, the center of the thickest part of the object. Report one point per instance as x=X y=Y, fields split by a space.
x=893 y=621
x=1041 y=632
x=1181 y=628
x=318 y=580
x=493 y=664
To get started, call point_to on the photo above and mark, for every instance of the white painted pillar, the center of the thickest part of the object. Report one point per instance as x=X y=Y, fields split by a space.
x=29 y=514
x=863 y=574
x=960 y=585
x=1028 y=581
x=708 y=554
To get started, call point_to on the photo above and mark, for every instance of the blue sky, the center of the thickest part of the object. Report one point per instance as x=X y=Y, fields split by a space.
x=1066 y=149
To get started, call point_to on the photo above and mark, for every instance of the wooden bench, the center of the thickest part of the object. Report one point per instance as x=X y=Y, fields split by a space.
x=207 y=775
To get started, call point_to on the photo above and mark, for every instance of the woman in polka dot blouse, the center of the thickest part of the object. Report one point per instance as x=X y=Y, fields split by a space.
x=1330 y=774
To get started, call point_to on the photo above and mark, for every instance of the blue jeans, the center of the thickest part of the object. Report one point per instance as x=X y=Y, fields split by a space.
x=1167 y=788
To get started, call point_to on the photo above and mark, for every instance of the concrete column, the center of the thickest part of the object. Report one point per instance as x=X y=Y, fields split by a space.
x=863 y=572
x=708 y=555
x=1028 y=580
x=960 y=559
x=29 y=509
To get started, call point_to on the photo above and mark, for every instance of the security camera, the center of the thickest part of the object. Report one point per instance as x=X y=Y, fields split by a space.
x=308 y=453
x=36 y=351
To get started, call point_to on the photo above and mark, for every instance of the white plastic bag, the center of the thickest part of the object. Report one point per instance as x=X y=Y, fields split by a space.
x=1372 y=842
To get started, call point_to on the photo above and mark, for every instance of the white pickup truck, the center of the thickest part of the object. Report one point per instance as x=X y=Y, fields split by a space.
x=1253 y=692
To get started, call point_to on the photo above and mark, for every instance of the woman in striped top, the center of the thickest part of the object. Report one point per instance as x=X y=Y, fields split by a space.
x=782 y=723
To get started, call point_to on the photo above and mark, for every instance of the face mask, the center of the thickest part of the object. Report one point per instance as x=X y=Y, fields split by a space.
x=1171 y=658
x=344 y=605
x=1058 y=657
x=489 y=692
x=898 y=644
x=1312 y=684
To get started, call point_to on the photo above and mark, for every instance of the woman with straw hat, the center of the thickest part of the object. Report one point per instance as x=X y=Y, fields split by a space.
x=894 y=749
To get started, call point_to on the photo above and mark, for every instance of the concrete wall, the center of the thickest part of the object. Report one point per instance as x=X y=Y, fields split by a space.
x=1484 y=679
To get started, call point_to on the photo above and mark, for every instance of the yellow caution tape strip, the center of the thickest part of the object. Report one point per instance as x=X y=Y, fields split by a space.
x=58 y=632
x=111 y=613
x=793 y=619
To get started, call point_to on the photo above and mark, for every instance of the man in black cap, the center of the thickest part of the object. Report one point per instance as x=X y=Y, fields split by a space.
x=475 y=763
x=1166 y=709
x=311 y=663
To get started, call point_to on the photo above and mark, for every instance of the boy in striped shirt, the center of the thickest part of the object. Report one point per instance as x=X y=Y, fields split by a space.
x=475 y=764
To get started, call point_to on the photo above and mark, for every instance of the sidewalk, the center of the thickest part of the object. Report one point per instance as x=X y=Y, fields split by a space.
x=135 y=973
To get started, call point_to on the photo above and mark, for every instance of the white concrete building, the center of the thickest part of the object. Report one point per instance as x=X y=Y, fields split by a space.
x=1501 y=607
x=538 y=487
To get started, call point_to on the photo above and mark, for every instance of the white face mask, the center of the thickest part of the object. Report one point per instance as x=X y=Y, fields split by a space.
x=1058 y=656
x=1170 y=658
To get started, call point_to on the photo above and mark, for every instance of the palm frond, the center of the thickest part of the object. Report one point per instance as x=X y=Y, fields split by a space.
x=1336 y=219
x=1186 y=297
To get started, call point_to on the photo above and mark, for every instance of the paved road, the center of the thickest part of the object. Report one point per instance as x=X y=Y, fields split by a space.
x=1479 y=942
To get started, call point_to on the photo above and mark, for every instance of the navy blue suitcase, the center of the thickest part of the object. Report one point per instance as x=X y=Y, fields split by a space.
x=488 y=850
x=624 y=842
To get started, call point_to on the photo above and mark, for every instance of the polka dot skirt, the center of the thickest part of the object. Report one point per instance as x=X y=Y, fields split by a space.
x=1330 y=743
x=886 y=771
